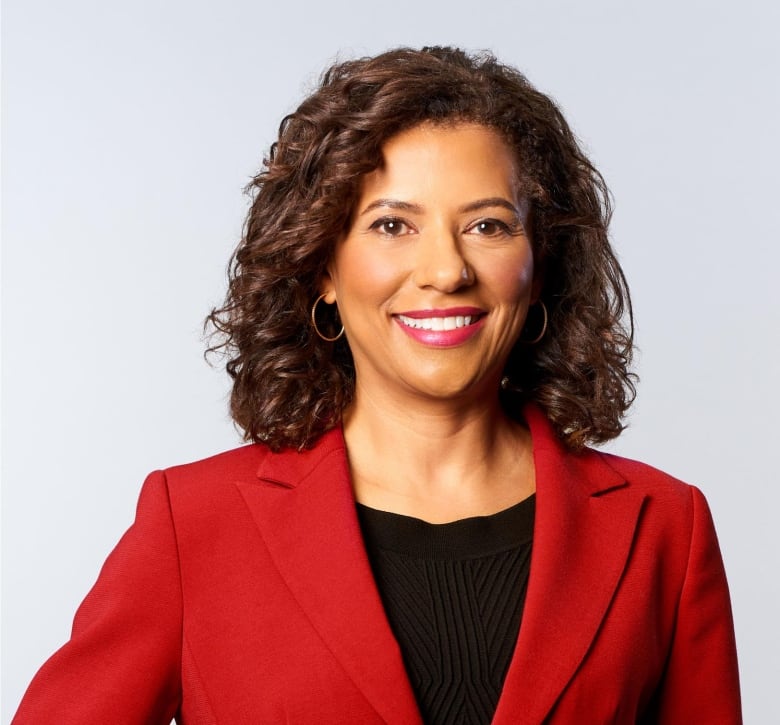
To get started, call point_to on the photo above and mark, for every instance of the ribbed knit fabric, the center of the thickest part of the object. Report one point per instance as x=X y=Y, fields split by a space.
x=453 y=594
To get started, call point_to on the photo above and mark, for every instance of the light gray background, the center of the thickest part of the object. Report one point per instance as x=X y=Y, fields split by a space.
x=129 y=130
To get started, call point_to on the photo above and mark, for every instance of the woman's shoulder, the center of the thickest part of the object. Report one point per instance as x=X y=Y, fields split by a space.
x=599 y=471
x=642 y=473
x=201 y=486
x=657 y=485
x=253 y=463
x=242 y=461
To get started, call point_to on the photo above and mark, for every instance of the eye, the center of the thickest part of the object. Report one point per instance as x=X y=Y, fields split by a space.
x=391 y=227
x=490 y=228
x=494 y=228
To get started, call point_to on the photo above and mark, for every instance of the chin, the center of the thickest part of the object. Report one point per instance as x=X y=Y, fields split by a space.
x=445 y=388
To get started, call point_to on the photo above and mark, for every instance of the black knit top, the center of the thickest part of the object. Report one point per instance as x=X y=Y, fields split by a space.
x=453 y=594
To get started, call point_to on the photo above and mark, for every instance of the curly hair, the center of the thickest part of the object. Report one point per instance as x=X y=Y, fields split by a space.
x=290 y=386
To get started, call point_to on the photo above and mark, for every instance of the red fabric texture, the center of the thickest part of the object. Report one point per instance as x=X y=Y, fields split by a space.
x=242 y=594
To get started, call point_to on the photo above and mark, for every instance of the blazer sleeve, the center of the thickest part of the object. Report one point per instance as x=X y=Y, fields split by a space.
x=123 y=661
x=701 y=683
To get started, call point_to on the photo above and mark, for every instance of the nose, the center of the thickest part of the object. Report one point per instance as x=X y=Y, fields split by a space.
x=441 y=264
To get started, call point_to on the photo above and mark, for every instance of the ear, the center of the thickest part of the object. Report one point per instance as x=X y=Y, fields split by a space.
x=327 y=287
x=538 y=281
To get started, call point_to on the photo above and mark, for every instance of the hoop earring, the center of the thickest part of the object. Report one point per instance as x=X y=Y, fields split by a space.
x=544 y=326
x=314 y=321
x=509 y=386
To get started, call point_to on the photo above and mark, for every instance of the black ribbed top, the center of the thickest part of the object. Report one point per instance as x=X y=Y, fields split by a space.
x=453 y=594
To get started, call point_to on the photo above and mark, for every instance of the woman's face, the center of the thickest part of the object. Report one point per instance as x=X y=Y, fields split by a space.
x=434 y=277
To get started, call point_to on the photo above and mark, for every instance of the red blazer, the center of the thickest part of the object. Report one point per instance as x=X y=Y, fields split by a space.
x=242 y=594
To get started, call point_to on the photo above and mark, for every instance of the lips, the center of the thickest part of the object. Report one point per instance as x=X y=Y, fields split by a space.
x=441 y=328
x=453 y=322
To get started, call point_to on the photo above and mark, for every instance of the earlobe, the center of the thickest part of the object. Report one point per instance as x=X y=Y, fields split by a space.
x=538 y=281
x=328 y=288
x=536 y=291
x=536 y=286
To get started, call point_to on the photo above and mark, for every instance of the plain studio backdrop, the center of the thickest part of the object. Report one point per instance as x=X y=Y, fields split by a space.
x=129 y=130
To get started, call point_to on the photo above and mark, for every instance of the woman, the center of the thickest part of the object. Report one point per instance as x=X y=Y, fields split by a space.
x=424 y=330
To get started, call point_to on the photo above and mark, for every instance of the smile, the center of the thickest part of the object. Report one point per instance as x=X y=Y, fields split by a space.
x=441 y=328
x=437 y=323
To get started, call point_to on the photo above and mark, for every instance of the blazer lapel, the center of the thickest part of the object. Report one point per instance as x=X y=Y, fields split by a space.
x=586 y=516
x=305 y=510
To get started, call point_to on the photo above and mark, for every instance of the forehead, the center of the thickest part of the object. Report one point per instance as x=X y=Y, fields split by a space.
x=453 y=160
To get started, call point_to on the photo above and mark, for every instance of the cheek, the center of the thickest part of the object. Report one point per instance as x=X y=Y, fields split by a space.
x=365 y=277
x=513 y=278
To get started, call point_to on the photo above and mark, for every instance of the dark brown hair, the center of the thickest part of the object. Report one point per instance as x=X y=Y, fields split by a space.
x=289 y=386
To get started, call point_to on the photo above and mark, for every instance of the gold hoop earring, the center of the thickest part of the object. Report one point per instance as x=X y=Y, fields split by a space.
x=544 y=326
x=314 y=321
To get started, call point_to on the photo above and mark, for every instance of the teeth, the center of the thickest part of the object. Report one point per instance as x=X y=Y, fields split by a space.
x=437 y=323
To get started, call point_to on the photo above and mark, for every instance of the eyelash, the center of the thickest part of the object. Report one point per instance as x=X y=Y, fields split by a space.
x=383 y=221
x=501 y=227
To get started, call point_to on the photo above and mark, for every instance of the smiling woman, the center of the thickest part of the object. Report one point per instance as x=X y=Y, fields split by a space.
x=425 y=326
x=289 y=387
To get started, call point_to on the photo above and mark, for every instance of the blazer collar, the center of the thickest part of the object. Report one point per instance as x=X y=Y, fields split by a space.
x=305 y=510
x=586 y=516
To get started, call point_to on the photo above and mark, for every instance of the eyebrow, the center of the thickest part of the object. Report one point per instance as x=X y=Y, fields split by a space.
x=416 y=208
x=391 y=204
x=491 y=201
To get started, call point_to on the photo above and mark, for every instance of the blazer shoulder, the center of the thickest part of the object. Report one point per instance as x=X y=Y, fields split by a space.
x=203 y=495
x=255 y=460
x=191 y=484
x=677 y=512
x=650 y=480
x=241 y=461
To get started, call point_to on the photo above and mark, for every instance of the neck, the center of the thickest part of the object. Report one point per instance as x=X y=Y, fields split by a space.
x=438 y=460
